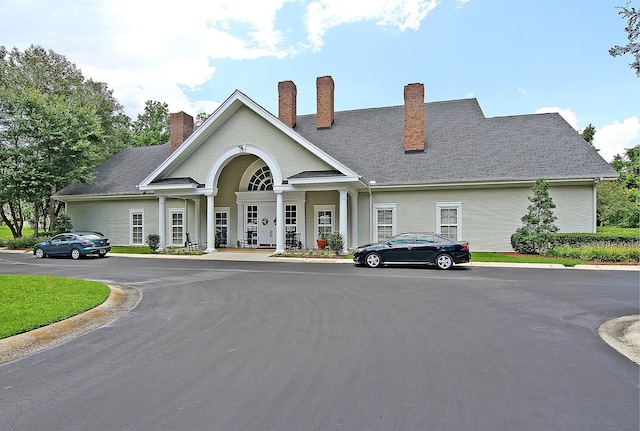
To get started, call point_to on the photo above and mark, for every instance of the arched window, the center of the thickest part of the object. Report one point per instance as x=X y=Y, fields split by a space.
x=261 y=180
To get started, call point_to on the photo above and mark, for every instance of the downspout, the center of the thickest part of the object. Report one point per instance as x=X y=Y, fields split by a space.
x=596 y=181
x=370 y=211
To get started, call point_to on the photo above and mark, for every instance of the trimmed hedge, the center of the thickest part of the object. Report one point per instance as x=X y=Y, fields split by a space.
x=522 y=245
x=25 y=242
x=610 y=253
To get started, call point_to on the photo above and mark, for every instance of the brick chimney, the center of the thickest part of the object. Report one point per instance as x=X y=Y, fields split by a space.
x=180 y=128
x=414 y=118
x=287 y=93
x=325 y=89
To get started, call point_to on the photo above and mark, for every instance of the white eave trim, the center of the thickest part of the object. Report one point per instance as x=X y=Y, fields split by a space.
x=476 y=184
x=168 y=187
x=323 y=180
x=77 y=198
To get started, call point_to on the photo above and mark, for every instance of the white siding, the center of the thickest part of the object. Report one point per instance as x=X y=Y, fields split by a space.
x=246 y=127
x=489 y=215
x=111 y=217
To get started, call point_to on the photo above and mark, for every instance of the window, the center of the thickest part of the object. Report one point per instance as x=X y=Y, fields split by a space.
x=177 y=227
x=324 y=220
x=136 y=227
x=261 y=180
x=385 y=221
x=222 y=227
x=449 y=219
x=290 y=218
x=406 y=238
x=252 y=224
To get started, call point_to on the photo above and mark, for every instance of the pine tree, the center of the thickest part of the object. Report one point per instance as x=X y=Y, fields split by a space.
x=539 y=220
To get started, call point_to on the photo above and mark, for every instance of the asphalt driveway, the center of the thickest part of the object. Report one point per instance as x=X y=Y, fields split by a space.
x=289 y=346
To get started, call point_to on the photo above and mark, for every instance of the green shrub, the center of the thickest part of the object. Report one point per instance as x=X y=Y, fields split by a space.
x=610 y=253
x=25 y=242
x=335 y=242
x=62 y=224
x=524 y=244
x=153 y=241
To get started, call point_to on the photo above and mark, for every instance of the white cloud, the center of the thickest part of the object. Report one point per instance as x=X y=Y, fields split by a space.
x=615 y=138
x=569 y=116
x=322 y=15
x=146 y=50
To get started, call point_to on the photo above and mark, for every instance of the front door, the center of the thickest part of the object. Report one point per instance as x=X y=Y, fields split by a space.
x=267 y=225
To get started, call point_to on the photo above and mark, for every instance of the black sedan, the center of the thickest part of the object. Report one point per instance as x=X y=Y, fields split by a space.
x=414 y=248
x=73 y=244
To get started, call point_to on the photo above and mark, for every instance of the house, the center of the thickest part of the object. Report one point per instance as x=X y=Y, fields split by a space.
x=253 y=179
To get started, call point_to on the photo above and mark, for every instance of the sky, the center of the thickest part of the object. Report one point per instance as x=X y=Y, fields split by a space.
x=515 y=56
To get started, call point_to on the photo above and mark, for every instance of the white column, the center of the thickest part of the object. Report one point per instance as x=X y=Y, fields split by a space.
x=162 y=221
x=344 y=230
x=280 y=222
x=354 y=220
x=196 y=231
x=211 y=224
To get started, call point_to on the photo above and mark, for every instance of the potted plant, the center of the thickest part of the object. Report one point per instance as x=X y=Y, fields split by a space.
x=322 y=240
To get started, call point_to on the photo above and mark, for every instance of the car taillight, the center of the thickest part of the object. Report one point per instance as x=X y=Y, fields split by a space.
x=85 y=243
x=465 y=246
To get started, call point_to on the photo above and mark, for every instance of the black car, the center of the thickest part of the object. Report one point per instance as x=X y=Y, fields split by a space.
x=73 y=244
x=414 y=248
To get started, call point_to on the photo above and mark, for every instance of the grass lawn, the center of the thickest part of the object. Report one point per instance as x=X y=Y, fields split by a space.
x=5 y=232
x=29 y=302
x=622 y=231
x=131 y=250
x=484 y=256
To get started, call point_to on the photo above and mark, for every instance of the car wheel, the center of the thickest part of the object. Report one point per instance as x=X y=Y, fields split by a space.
x=39 y=253
x=444 y=261
x=373 y=260
x=75 y=254
x=102 y=253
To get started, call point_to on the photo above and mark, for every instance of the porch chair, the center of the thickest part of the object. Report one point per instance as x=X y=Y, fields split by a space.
x=192 y=245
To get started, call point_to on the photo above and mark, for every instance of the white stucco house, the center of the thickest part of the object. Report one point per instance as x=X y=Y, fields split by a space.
x=256 y=179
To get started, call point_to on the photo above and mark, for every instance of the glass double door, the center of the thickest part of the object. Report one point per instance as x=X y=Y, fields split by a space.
x=260 y=222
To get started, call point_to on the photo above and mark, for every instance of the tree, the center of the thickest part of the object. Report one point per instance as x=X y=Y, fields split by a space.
x=539 y=220
x=628 y=166
x=633 y=33
x=54 y=126
x=201 y=118
x=619 y=201
x=588 y=134
x=617 y=205
x=152 y=126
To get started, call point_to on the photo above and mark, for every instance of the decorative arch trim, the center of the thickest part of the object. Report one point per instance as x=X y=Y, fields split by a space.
x=232 y=153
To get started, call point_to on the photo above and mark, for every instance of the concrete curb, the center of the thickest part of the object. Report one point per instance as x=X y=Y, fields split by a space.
x=623 y=334
x=121 y=300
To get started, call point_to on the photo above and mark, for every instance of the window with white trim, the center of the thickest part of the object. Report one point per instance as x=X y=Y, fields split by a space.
x=325 y=219
x=384 y=219
x=177 y=227
x=252 y=224
x=261 y=180
x=222 y=227
x=290 y=218
x=449 y=219
x=136 y=227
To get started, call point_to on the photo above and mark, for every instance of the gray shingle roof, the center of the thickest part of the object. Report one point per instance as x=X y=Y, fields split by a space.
x=121 y=174
x=461 y=145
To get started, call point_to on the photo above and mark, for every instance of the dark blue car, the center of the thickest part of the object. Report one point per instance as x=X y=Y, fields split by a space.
x=73 y=244
x=414 y=248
